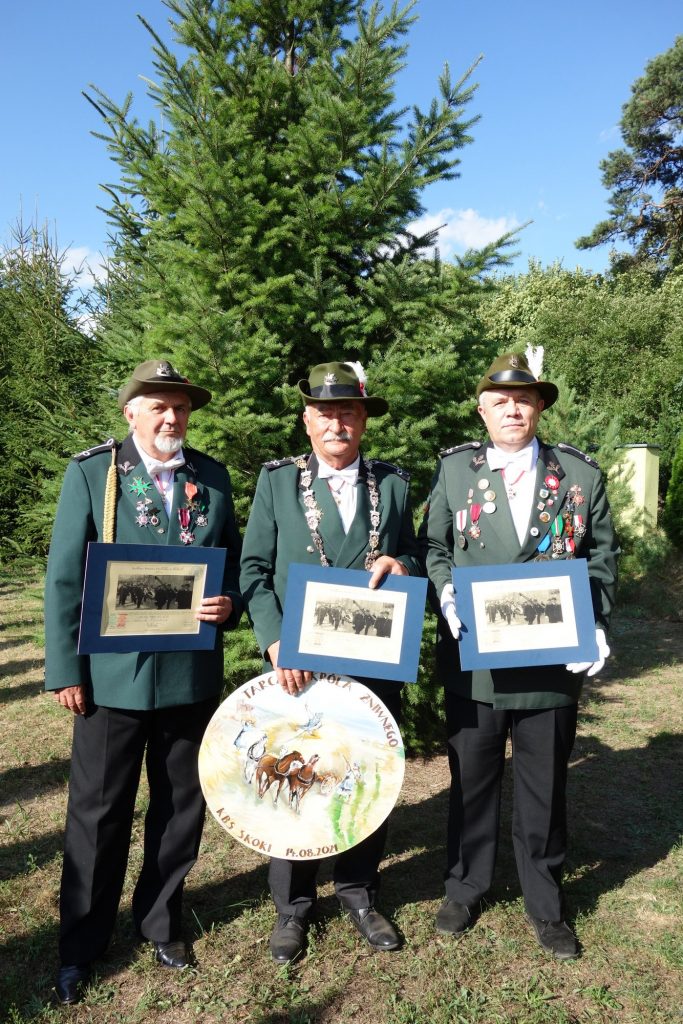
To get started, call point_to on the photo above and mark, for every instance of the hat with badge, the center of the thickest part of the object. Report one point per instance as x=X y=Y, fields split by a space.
x=340 y=382
x=518 y=370
x=156 y=375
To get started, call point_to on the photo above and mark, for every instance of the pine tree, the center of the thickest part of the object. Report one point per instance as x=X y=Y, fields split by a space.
x=50 y=386
x=263 y=226
x=646 y=176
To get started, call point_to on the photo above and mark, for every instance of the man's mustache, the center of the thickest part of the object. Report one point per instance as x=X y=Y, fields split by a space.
x=343 y=435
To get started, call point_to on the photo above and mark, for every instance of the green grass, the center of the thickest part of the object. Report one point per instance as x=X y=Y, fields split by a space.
x=624 y=881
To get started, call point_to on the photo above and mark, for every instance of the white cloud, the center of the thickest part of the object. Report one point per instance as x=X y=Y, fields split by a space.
x=610 y=134
x=463 y=229
x=86 y=265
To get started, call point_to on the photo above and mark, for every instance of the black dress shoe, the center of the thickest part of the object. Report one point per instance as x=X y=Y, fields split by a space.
x=172 y=954
x=71 y=981
x=453 y=917
x=555 y=937
x=379 y=932
x=288 y=939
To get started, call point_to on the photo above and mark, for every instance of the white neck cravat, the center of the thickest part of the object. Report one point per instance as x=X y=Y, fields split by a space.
x=518 y=480
x=162 y=473
x=342 y=484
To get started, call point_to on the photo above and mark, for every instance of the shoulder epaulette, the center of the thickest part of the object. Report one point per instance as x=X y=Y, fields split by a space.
x=570 y=450
x=459 y=448
x=403 y=473
x=97 y=450
x=277 y=463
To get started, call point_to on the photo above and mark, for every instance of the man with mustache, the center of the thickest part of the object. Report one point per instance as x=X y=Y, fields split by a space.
x=151 y=489
x=319 y=508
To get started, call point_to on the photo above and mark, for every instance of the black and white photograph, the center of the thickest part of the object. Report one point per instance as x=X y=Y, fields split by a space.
x=142 y=598
x=521 y=608
x=351 y=615
x=358 y=622
x=525 y=614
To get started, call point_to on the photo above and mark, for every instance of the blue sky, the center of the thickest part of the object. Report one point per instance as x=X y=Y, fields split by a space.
x=551 y=86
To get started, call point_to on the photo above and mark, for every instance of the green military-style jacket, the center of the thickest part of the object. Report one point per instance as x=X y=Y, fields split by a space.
x=456 y=485
x=135 y=681
x=277 y=534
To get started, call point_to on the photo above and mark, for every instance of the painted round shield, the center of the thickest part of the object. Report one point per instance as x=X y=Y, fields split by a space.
x=306 y=776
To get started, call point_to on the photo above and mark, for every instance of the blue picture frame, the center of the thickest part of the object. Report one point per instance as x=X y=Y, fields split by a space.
x=527 y=613
x=316 y=597
x=108 y=564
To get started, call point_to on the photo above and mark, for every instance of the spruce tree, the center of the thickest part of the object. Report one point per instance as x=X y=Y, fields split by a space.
x=262 y=226
x=50 y=386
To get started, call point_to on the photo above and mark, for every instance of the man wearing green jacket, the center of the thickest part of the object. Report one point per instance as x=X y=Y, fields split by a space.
x=513 y=499
x=151 y=489
x=330 y=506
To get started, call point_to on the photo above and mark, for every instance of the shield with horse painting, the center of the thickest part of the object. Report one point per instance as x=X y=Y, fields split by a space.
x=305 y=776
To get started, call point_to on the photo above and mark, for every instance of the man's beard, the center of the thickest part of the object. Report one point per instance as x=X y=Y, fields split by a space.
x=168 y=444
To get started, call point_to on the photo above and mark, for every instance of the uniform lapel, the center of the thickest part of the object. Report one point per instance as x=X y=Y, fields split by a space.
x=498 y=523
x=330 y=528
x=133 y=477
x=356 y=540
x=548 y=466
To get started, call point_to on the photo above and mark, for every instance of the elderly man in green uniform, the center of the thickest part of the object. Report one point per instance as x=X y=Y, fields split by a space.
x=514 y=499
x=151 y=489
x=331 y=506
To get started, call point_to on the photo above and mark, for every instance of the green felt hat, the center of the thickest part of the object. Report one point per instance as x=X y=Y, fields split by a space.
x=158 y=375
x=511 y=370
x=340 y=382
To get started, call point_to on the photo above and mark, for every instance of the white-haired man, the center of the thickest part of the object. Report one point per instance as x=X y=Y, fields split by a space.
x=151 y=489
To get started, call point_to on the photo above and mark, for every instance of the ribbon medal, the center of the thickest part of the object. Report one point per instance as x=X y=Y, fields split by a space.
x=191 y=515
x=461 y=523
x=557 y=529
x=474 y=530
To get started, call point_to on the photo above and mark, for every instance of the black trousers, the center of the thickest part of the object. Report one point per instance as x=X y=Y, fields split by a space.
x=109 y=745
x=542 y=742
x=355 y=873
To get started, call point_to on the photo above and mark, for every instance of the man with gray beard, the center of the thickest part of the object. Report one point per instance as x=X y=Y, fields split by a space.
x=151 y=489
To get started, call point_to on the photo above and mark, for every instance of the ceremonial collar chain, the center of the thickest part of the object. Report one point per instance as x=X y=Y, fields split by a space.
x=314 y=513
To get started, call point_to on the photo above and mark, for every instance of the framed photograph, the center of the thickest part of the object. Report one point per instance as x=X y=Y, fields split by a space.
x=143 y=597
x=333 y=622
x=530 y=613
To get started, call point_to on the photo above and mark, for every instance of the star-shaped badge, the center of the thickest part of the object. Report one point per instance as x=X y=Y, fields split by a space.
x=139 y=486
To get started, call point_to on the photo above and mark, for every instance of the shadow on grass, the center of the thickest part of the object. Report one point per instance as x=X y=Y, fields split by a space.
x=16 y=857
x=640 y=647
x=20 y=691
x=625 y=813
x=27 y=783
x=18 y=668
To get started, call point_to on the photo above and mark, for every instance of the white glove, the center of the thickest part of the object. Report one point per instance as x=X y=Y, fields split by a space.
x=448 y=610
x=592 y=668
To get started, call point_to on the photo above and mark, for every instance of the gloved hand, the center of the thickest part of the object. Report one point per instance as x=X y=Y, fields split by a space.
x=591 y=668
x=448 y=610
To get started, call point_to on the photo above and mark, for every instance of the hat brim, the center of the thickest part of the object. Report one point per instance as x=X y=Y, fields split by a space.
x=548 y=391
x=197 y=395
x=373 y=406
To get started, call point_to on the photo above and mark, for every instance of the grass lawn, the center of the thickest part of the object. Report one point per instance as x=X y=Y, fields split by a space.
x=624 y=880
